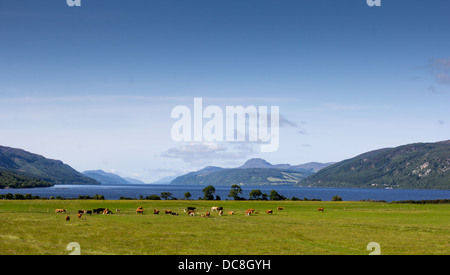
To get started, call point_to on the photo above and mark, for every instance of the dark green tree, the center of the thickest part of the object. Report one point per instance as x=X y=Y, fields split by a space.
x=235 y=191
x=208 y=192
x=255 y=194
x=187 y=195
x=274 y=196
x=166 y=195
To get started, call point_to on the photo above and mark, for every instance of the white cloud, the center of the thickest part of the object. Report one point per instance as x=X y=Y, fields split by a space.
x=205 y=152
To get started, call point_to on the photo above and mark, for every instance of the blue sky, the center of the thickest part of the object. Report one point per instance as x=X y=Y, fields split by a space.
x=94 y=85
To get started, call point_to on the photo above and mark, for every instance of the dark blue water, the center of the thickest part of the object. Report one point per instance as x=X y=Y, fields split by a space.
x=134 y=191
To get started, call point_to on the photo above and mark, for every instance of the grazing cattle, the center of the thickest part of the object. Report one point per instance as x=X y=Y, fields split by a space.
x=107 y=211
x=60 y=210
x=98 y=210
x=140 y=210
x=190 y=208
x=248 y=212
x=214 y=208
x=174 y=214
x=320 y=209
x=270 y=211
x=80 y=211
x=280 y=208
x=230 y=213
x=67 y=218
x=88 y=212
x=167 y=212
x=79 y=215
x=117 y=210
x=252 y=210
x=220 y=212
x=207 y=214
x=155 y=211
x=191 y=212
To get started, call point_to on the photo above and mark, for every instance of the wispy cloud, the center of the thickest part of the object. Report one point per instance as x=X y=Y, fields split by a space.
x=205 y=152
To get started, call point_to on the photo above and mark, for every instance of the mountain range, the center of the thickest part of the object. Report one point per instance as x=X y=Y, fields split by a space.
x=20 y=168
x=417 y=165
x=255 y=171
x=110 y=178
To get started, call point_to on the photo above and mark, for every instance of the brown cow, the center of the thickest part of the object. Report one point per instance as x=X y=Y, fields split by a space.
x=168 y=212
x=140 y=210
x=191 y=213
x=155 y=211
x=280 y=208
x=207 y=214
x=320 y=209
x=60 y=210
x=231 y=213
x=270 y=211
x=79 y=215
x=67 y=218
x=248 y=212
x=220 y=212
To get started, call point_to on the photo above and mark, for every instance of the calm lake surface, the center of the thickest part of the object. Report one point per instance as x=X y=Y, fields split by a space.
x=114 y=192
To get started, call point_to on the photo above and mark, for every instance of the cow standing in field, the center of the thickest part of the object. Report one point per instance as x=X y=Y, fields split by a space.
x=280 y=208
x=98 y=210
x=190 y=208
x=191 y=213
x=79 y=215
x=140 y=210
x=155 y=211
x=320 y=209
x=60 y=210
x=270 y=211
x=231 y=213
x=220 y=212
x=67 y=218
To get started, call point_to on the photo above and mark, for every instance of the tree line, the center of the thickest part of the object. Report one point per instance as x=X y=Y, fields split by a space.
x=235 y=194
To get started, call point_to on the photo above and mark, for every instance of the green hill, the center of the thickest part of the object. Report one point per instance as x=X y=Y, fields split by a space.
x=253 y=172
x=249 y=176
x=418 y=165
x=12 y=180
x=32 y=169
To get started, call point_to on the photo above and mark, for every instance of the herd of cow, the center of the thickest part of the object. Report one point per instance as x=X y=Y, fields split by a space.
x=190 y=211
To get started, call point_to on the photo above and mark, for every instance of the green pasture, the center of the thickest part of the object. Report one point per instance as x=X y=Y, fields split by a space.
x=32 y=227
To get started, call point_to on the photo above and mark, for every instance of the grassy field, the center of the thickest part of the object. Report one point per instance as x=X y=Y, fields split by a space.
x=32 y=227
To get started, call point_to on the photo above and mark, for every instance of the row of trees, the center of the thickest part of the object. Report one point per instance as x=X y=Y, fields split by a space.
x=209 y=191
x=235 y=193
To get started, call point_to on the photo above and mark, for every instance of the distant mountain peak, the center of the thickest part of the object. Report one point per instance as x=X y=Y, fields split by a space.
x=110 y=178
x=256 y=163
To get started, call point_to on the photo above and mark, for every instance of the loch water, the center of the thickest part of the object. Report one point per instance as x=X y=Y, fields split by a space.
x=114 y=192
